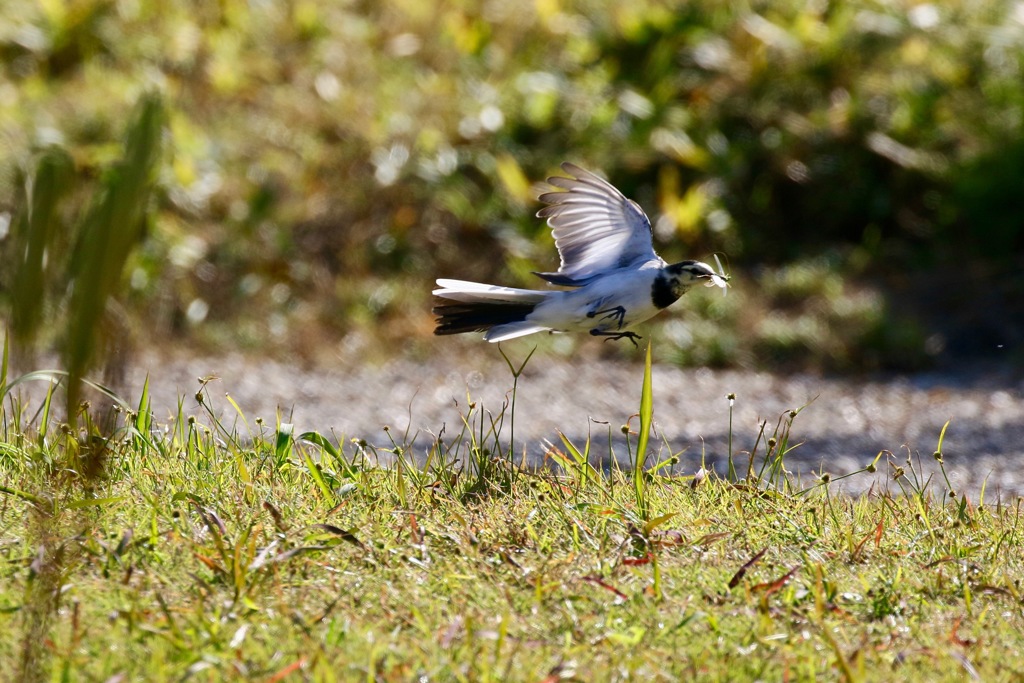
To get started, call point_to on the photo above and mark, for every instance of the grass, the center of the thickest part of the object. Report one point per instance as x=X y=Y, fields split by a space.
x=209 y=549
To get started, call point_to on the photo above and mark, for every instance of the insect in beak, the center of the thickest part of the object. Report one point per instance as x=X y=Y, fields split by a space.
x=719 y=279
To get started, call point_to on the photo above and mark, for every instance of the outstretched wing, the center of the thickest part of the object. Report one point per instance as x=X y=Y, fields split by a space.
x=596 y=228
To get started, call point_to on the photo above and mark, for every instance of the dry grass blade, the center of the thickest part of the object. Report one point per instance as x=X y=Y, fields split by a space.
x=770 y=587
x=340 y=533
x=742 y=571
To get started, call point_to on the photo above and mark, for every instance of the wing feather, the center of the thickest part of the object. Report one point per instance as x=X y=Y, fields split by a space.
x=596 y=228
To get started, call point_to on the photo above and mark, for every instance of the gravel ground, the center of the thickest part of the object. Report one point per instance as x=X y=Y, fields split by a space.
x=843 y=428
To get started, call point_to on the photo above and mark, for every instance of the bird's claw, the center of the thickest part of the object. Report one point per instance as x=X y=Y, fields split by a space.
x=618 y=313
x=609 y=336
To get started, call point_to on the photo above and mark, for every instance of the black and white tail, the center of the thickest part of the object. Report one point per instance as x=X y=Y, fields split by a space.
x=501 y=312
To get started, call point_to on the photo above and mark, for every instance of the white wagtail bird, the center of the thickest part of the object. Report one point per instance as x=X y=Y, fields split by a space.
x=614 y=278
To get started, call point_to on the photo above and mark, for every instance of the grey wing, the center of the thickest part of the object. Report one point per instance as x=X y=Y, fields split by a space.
x=596 y=228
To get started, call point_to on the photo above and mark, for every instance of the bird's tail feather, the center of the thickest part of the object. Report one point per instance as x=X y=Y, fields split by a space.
x=477 y=307
x=512 y=330
x=460 y=290
x=480 y=316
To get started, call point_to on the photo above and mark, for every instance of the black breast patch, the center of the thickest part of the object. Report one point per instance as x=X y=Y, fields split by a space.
x=661 y=292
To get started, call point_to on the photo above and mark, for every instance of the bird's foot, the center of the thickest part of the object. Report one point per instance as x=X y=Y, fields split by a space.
x=609 y=336
x=618 y=313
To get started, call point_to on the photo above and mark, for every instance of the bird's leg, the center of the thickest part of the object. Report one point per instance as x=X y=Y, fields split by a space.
x=618 y=313
x=631 y=336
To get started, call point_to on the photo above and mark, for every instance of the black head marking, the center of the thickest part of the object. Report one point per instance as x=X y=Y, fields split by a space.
x=673 y=281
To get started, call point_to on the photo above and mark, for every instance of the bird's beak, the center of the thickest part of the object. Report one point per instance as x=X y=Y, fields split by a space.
x=715 y=280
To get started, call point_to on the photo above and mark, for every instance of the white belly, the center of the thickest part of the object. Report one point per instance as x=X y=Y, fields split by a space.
x=610 y=304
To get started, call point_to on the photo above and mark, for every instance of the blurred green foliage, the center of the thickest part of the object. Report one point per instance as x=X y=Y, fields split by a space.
x=79 y=262
x=325 y=160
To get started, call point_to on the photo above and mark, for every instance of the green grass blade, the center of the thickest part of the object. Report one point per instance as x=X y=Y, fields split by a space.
x=577 y=456
x=283 y=443
x=51 y=376
x=653 y=524
x=94 y=502
x=646 y=417
x=106 y=237
x=55 y=377
x=732 y=465
x=4 y=364
x=318 y=439
x=580 y=458
x=35 y=234
x=318 y=477
x=238 y=409
x=26 y=496
x=942 y=436
x=143 y=418
x=44 y=423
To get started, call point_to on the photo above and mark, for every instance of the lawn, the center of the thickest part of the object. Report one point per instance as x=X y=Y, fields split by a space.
x=289 y=178
x=209 y=549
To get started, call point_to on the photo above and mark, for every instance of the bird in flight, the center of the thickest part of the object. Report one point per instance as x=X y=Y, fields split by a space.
x=614 y=279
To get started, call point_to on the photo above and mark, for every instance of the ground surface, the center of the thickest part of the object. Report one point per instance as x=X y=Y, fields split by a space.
x=246 y=555
x=844 y=428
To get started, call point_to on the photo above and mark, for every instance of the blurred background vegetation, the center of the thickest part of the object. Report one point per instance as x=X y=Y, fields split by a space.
x=859 y=165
